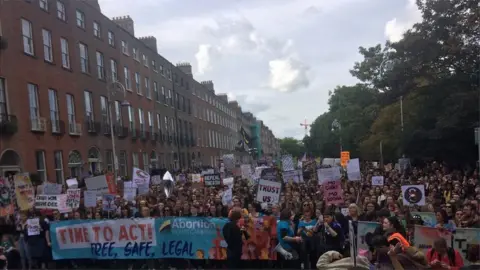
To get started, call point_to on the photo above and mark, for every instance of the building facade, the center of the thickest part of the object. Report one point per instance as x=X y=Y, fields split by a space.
x=73 y=82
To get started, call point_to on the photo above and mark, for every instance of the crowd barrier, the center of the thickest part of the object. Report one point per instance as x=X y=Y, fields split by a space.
x=145 y=238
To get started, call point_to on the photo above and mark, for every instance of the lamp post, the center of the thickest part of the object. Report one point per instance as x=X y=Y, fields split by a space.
x=112 y=90
x=337 y=126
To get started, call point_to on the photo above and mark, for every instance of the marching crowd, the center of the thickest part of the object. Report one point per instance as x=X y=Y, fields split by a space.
x=310 y=233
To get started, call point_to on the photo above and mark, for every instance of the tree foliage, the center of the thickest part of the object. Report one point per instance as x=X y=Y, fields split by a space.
x=292 y=146
x=433 y=71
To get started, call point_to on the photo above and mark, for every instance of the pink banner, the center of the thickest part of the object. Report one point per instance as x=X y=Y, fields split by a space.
x=333 y=192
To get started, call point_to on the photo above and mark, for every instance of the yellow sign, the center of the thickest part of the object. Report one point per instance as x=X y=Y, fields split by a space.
x=344 y=158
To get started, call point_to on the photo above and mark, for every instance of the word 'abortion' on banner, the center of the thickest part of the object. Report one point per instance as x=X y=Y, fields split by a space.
x=158 y=238
x=212 y=180
x=268 y=191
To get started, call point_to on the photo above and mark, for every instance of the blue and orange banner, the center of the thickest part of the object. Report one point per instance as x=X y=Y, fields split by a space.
x=143 y=238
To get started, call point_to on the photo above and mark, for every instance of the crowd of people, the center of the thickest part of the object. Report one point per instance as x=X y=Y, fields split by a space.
x=311 y=234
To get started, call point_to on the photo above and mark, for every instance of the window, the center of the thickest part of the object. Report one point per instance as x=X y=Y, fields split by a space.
x=159 y=123
x=3 y=99
x=80 y=19
x=65 y=53
x=47 y=45
x=177 y=101
x=135 y=54
x=100 y=66
x=156 y=95
x=61 y=10
x=72 y=121
x=109 y=158
x=146 y=164
x=104 y=111
x=154 y=65
x=137 y=83
x=150 y=123
x=135 y=162
x=111 y=38
x=118 y=114
x=54 y=114
x=34 y=109
x=41 y=170
x=125 y=47
x=126 y=73
x=43 y=4
x=113 y=67
x=89 y=115
x=131 y=119
x=96 y=30
x=164 y=96
x=122 y=160
x=27 y=37
x=147 y=88
x=166 y=123
x=162 y=70
x=58 y=160
x=145 y=60
x=141 y=119
x=170 y=97
x=83 y=57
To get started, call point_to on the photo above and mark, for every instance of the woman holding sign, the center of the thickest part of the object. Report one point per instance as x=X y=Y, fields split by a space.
x=233 y=236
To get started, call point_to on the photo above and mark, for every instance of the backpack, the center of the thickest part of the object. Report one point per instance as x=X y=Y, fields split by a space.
x=450 y=254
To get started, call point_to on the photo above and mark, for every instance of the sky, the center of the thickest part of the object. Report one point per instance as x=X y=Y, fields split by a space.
x=277 y=58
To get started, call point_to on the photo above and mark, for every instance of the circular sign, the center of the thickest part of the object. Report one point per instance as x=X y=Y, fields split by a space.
x=413 y=195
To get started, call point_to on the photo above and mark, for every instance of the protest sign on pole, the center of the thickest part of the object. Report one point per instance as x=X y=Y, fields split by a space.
x=268 y=191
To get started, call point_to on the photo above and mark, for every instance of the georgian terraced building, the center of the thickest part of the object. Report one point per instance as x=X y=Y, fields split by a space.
x=63 y=64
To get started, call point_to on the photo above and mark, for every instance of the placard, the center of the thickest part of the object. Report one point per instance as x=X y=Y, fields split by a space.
x=56 y=202
x=268 y=191
x=33 y=226
x=377 y=180
x=413 y=195
x=212 y=180
x=333 y=192
x=269 y=174
x=328 y=174
x=73 y=198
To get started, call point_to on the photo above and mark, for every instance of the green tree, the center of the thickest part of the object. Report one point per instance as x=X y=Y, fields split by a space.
x=292 y=146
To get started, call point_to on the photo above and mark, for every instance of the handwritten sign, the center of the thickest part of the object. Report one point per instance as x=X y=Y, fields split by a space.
x=57 y=202
x=33 y=226
x=212 y=180
x=333 y=192
x=377 y=180
x=73 y=198
x=268 y=191
x=328 y=174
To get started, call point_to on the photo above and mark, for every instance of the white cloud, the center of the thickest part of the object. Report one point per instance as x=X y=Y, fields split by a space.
x=288 y=75
x=205 y=56
x=396 y=27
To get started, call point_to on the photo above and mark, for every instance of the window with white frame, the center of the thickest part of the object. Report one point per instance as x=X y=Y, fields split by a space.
x=135 y=54
x=34 y=108
x=172 y=125
x=170 y=97
x=97 y=31
x=141 y=119
x=122 y=162
x=146 y=163
x=156 y=95
x=100 y=65
x=124 y=47
x=104 y=111
x=118 y=114
x=61 y=10
x=47 y=45
x=41 y=166
x=128 y=81
x=80 y=19
x=27 y=34
x=135 y=162
x=164 y=95
x=43 y=4
x=150 y=123
x=109 y=158
x=72 y=121
x=89 y=114
x=3 y=99
x=65 y=53
x=113 y=67
x=147 y=88
x=54 y=114
x=159 y=123
x=145 y=60
x=154 y=65
x=137 y=83
x=166 y=123
x=84 y=67
x=58 y=160
x=111 y=38
x=131 y=119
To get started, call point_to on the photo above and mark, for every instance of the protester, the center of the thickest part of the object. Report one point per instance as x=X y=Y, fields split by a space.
x=443 y=257
x=233 y=236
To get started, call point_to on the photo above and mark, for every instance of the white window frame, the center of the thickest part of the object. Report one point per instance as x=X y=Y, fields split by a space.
x=118 y=113
x=65 y=53
x=122 y=162
x=135 y=161
x=97 y=30
x=125 y=47
x=54 y=112
x=138 y=86
x=89 y=109
x=109 y=160
x=111 y=38
x=41 y=165
x=43 y=4
x=58 y=158
x=145 y=60
x=80 y=18
x=141 y=121
x=33 y=105
x=27 y=34
x=131 y=119
x=104 y=111
x=61 y=11
x=148 y=94
x=135 y=54
x=47 y=45
x=83 y=51
x=146 y=163
x=114 y=69
x=151 y=126
x=72 y=119
x=128 y=80
x=100 y=65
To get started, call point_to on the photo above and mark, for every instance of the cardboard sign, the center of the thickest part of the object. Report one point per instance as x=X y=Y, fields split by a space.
x=333 y=192
x=268 y=191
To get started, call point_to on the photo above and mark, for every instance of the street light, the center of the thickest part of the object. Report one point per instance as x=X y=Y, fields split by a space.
x=111 y=91
x=337 y=126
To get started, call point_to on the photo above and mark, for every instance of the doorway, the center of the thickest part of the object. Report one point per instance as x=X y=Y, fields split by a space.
x=10 y=163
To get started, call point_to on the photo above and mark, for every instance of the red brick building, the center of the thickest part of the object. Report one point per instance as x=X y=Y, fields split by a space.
x=63 y=64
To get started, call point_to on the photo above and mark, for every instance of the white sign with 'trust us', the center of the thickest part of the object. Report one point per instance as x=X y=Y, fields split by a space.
x=268 y=191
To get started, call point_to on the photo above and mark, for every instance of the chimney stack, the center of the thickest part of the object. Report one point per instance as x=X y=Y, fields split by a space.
x=186 y=68
x=126 y=23
x=208 y=85
x=150 y=42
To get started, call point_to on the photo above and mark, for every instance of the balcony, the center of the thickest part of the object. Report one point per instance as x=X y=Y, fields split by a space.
x=8 y=124
x=58 y=127
x=121 y=131
x=75 y=129
x=38 y=125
